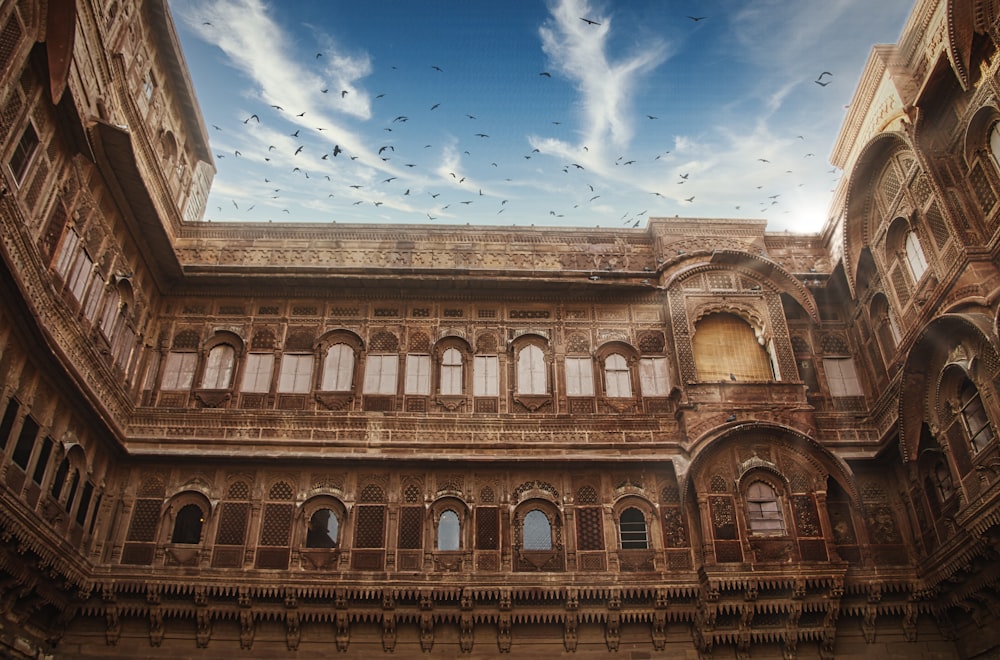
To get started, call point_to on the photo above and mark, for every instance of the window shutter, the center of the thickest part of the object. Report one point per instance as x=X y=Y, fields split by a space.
x=451 y=372
x=654 y=378
x=257 y=373
x=485 y=375
x=296 y=373
x=418 y=379
x=579 y=376
x=338 y=368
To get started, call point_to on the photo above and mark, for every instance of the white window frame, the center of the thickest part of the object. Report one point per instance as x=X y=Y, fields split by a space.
x=579 y=376
x=617 y=377
x=296 y=373
x=418 y=374
x=381 y=374
x=654 y=376
x=915 y=258
x=219 y=366
x=532 y=377
x=178 y=370
x=486 y=375
x=338 y=368
x=842 y=377
x=764 y=513
x=257 y=371
x=451 y=383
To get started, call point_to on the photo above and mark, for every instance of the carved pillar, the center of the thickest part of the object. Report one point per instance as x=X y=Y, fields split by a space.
x=246 y=620
x=612 y=629
x=388 y=622
x=426 y=621
x=203 y=618
x=292 y=631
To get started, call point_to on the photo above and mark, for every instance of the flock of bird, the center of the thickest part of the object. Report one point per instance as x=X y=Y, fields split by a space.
x=307 y=154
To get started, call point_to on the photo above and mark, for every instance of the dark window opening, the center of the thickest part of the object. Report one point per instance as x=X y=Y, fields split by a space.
x=323 y=529
x=187 y=526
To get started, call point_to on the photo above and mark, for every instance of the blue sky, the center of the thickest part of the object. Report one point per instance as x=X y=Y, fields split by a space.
x=523 y=113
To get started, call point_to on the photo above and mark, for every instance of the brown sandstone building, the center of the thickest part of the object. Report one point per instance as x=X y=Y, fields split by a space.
x=696 y=439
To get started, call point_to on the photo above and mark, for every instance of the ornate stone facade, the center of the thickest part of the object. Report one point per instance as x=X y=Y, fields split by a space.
x=697 y=438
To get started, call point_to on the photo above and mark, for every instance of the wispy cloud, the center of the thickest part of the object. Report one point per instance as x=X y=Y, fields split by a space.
x=579 y=51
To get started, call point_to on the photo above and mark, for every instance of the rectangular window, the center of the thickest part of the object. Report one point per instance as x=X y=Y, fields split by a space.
x=148 y=85
x=418 y=374
x=93 y=302
x=25 y=149
x=380 y=374
x=80 y=275
x=66 y=253
x=579 y=376
x=296 y=373
x=654 y=378
x=485 y=375
x=42 y=462
x=841 y=377
x=110 y=316
x=257 y=372
x=25 y=442
x=178 y=371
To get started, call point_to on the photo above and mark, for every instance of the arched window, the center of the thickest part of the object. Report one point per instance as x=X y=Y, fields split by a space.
x=448 y=531
x=977 y=424
x=187 y=525
x=915 y=259
x=338 y=368
x=995 y=142
x=451 y=372
x=617 y=378
x=531 y=377
x=634 y=535
x=726 y=348
x=764 y=510
x=942 y=481
x=219 y=367
x=536 y=534
x=324 y=526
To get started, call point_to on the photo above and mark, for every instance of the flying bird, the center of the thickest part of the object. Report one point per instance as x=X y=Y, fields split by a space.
x=546 y=74
x=588 y=21
x=337 y=150
x=437 y=68
x=697 y=18
x=690 y=199
x=252 y=117
x=343 y=93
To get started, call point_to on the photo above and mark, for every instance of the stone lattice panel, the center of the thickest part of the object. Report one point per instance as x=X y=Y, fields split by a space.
x=370 y=527
x=981 y=187
x=276 y=526
x=233 y=518
x=674 y=527
x=589 y=528
x=411 y=525
x=806 y=516
x=487 y=528
x=586 y=495
x=145 y=518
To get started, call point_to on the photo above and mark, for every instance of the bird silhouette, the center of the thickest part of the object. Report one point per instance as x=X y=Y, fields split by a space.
x=589 y=21
x=697 y=18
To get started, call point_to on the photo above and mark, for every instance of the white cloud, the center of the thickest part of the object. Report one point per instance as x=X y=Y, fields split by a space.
x=579 y=51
